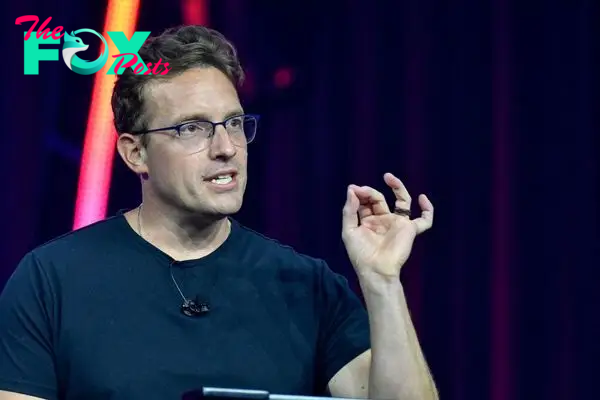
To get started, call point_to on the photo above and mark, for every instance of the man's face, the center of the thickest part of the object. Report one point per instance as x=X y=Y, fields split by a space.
x=187 y=177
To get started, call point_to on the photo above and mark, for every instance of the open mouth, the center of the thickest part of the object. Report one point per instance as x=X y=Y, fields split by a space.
x=222 y=179
x=225 y=179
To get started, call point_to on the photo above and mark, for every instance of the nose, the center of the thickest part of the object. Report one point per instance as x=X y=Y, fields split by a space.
x=221 y=145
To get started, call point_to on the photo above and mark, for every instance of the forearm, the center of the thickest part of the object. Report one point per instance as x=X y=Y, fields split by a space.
x=398 y=368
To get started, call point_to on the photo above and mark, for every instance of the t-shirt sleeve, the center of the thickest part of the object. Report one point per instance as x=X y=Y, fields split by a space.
x=344 y=325
x=26 y=351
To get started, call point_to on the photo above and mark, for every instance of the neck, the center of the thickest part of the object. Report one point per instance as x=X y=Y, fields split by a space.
x=180 y=235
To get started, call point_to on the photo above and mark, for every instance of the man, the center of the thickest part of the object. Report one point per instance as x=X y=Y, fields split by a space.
x=176 y=294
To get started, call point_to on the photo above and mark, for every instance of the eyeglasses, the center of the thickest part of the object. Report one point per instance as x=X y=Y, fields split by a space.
x=198 y=134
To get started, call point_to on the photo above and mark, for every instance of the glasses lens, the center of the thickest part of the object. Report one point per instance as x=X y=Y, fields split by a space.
x=197 y=129
x=242 y=129
x=197 y=135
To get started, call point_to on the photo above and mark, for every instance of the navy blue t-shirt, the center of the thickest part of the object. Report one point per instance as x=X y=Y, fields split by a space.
x=94 y=314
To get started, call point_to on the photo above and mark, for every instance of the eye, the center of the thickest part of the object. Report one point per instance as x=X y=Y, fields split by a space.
x=236 y=123
x=195 y=128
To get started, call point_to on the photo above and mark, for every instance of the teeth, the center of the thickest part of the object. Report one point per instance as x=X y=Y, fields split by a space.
x=222 y=179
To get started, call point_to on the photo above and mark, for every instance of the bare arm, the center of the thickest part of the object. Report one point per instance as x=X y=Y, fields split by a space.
x=379 y=243
x=398 y=367
x=16 y=396
x=395 y=368
x=352 y=381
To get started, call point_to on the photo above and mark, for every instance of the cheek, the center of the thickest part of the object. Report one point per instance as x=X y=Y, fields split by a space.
x=242 y=157
x=183 y=171
x=165 y=167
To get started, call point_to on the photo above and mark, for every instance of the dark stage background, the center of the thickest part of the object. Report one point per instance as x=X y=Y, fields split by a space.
x=489 y=106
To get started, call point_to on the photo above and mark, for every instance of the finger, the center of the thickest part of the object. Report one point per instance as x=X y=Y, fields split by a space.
x=364 y=211
x=371 y=200
x=425 y=221
x=403 y=199
x=350 y=210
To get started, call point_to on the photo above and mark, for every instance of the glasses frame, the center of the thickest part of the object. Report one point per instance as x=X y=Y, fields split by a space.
x=214 y=126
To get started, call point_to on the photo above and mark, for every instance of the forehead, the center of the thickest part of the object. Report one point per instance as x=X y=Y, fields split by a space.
x=198 y=91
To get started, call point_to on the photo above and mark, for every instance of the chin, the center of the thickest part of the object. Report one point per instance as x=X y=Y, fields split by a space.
x=226 y=206
x=223 y=210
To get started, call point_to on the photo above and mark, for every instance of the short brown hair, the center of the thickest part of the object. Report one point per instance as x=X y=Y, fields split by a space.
x=183 y=47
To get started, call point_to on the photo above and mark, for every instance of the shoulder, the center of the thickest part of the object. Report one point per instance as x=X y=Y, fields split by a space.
x=79 y=247
x=95 y=235
x=273 y=248
x=43 y=271
x=270 y=251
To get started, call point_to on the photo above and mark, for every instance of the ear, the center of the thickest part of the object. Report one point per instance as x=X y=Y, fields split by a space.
x=133 y=152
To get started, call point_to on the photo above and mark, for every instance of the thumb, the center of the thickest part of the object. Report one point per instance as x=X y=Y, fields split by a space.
x=350 y=211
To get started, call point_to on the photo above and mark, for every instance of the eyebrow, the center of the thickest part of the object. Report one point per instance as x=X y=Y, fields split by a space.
x=205 y=117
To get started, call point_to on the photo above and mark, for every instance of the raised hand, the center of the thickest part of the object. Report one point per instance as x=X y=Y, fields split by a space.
x=378 y=240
